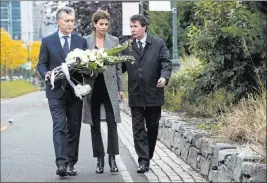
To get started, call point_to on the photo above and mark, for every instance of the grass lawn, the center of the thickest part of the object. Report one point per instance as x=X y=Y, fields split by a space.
x=10 y=89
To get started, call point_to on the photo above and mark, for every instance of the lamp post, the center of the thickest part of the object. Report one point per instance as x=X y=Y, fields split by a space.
x=141 y=7
x=174 y=37
x=28 y=63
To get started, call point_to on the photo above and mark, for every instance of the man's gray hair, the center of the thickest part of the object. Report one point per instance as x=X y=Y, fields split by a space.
x=65 y=9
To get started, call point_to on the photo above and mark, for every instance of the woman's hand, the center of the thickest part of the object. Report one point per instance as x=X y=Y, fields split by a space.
x=121 y=93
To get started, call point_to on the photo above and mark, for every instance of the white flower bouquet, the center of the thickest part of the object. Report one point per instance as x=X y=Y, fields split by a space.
x=89 y=62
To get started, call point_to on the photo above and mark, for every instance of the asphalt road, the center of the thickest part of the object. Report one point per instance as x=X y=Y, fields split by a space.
x=27 y=153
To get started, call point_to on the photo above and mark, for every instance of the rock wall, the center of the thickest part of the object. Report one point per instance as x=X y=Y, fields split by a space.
x=217 y=162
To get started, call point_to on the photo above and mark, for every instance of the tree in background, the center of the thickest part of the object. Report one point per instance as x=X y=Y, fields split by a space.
x=161 y=25
x=17 y=56
x=5 y=49
x=34 y=53
x=84 y=11
x=13 y=54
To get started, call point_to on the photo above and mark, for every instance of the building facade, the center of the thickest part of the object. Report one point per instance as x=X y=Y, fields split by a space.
x=40 y=29
x=11 y=18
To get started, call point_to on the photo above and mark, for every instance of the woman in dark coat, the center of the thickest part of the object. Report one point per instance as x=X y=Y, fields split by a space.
x=107 y=90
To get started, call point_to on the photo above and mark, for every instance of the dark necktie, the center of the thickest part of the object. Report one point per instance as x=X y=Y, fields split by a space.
x=141 y=49
x=66 y=47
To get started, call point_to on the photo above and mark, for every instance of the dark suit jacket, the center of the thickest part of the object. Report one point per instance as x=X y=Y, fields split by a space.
x=52 y=55
x=146 y=71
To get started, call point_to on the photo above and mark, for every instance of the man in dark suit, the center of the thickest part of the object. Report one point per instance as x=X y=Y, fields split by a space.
x=146 y=80
x=64 y=106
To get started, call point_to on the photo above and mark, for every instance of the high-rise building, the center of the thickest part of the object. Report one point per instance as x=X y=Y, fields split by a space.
x=27 y=25
x=27 y=21
x=11 y=18
x=40 y=29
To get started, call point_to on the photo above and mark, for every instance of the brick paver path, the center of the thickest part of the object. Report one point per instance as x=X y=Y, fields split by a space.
x=165 y=165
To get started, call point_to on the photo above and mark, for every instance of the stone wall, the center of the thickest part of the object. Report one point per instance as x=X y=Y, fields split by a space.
x=217 y=162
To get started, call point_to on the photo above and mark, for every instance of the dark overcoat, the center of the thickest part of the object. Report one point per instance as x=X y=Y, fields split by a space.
x=143 y=75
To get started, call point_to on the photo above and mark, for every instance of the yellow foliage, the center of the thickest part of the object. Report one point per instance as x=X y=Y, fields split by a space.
x=5 y=45
x=18 y=55
x=13 y=53
x=34 y=53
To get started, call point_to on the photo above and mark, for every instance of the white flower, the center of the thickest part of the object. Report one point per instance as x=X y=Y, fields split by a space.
x=70 y=60
x=82 y=89
x=104 y=55
x=94 y=51
x=84 y=59
x=73 y=55
x=100 y=62
x=92 y=58
x=101 y=50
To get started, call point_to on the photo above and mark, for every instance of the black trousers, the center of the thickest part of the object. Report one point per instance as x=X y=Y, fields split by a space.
x=66 y=115
x=99 y=96
x=145 y=124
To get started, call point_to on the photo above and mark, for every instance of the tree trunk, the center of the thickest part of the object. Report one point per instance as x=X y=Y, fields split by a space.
x=5 y=69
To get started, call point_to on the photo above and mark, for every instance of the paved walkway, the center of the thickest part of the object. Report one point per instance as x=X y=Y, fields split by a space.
x=165 y=165
x=32 y=125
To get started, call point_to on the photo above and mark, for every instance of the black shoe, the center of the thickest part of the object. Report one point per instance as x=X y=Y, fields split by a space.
x=71 y=170
x=112 y=163
x=100 y=165
x=143 y=168
x=62 y=170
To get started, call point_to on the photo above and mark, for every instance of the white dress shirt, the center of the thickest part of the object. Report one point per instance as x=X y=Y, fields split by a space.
x=62 y=40
x=143 y=41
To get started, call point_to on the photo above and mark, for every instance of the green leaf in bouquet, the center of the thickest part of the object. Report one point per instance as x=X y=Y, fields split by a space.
x=119 y=59
x=92 y=65
x=119 y=48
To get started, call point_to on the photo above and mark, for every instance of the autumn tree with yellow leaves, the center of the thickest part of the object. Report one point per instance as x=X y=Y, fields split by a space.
x=34 y=53
x=14 y=53
x=5 y=49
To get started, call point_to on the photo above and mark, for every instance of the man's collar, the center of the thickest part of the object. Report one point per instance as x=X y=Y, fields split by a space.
x=142 y=40
x=60 y=34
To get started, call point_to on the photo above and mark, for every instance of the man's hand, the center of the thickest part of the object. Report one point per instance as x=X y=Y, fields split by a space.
x=161 y=82
x=47 y=75
x=121 y=93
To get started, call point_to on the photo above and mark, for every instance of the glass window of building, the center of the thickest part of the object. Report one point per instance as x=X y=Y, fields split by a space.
x=15 y=13
x=16 y=35
x=4 y=4
x=16 y=26
x=4 y=24
x=4 y=13
x=15 y=4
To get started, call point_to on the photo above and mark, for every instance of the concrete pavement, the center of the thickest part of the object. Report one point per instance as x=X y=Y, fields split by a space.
x=27 y=152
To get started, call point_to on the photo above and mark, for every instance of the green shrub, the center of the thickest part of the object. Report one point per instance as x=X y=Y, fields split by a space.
x=230 y=41
x=173 y=100
x=210 y=105
x=212 y=127
x=181 y=95
x=182 y=83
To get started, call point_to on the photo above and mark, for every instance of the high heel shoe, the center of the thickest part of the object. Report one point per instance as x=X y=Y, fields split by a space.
x=112 y=163
x=100 y=165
